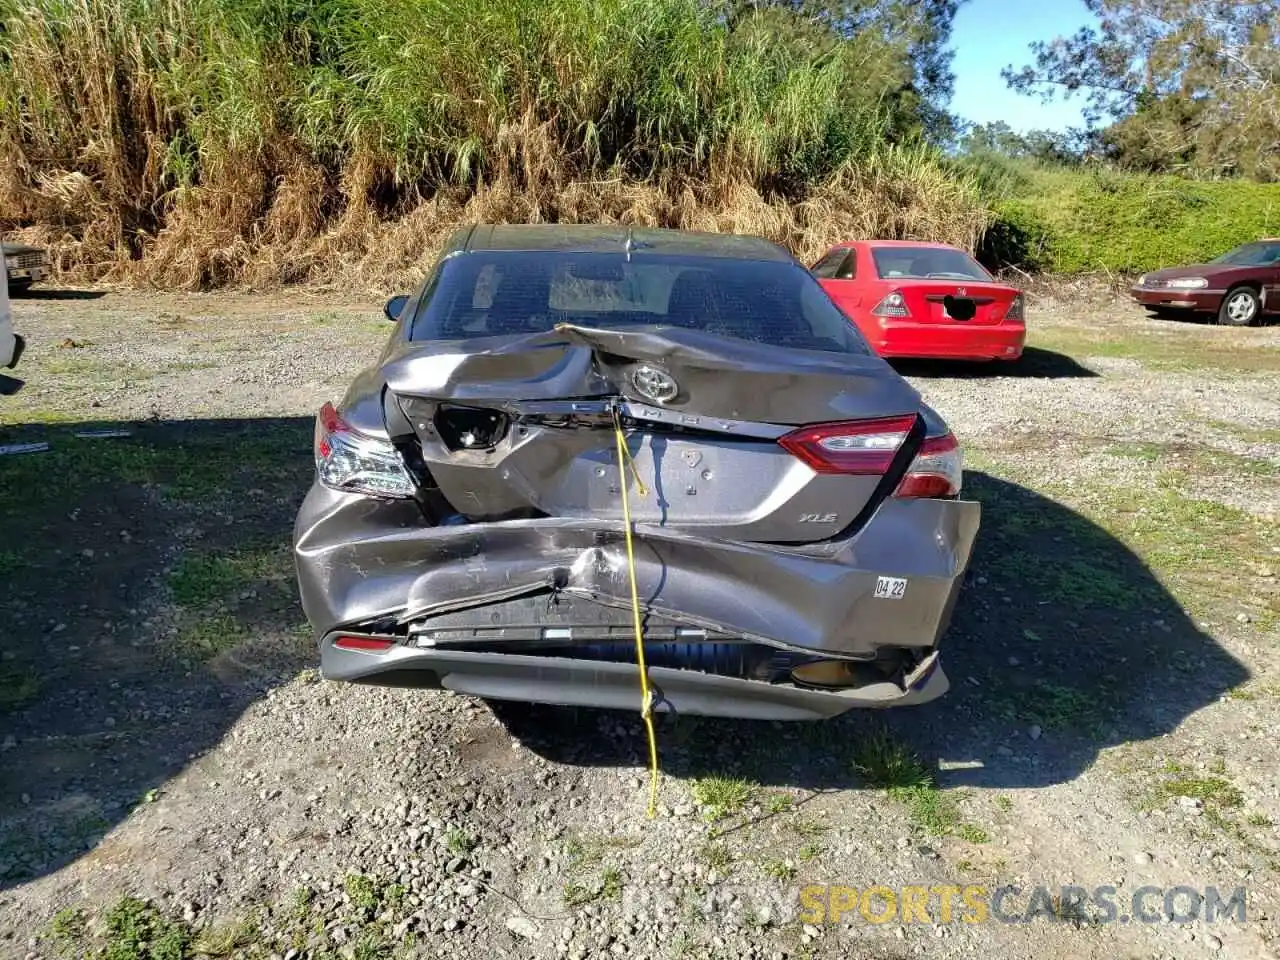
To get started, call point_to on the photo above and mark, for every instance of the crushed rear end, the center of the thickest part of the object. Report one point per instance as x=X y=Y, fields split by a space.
x=799 y=545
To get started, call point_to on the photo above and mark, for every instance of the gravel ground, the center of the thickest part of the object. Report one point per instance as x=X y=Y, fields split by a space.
x=1115 y=702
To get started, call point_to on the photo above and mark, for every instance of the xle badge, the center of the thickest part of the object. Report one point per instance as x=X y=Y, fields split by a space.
x=891 y=588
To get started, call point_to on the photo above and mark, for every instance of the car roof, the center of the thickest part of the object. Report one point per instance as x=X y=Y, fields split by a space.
x=611 y=238
x=919 y=244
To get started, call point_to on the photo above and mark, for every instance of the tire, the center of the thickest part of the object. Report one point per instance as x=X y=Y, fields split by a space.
x=20 y=286
x=1240 y=307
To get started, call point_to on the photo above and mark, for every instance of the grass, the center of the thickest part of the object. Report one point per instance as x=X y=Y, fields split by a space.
x=1214 y=792
x=721 y=797
x=205 y=636
x=364 y=891
x=67 y=930
x=137 y=931
x=609 y=887
x=1178 y=348
x=195 y=467
x=716 y=855
x=777 y=803
x=586 y=852
x=201 y=580
x=1098 y=554
x=781 y=870
x=19 y=687
x=459 y=842
x=273 y=152
x=886 y=764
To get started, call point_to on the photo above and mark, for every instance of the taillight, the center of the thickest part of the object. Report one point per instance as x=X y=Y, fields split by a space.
x=894 y=305
x=350 y=461
x=937 y=470
x=1015 y=311
x=364 y=644
x=857 y=446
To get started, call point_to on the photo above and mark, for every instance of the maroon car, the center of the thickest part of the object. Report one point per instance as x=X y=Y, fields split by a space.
x=1238 y=287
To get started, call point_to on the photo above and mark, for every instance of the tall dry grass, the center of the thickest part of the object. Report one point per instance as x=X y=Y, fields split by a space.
x=191 y=143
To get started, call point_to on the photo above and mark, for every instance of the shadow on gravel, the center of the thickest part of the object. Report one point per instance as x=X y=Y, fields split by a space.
x=43 y=293
x=1035 y=363
x=105 y=691
x=1068 y=631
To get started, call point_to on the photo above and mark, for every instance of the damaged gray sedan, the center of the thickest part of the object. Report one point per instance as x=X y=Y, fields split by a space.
x=799 y=541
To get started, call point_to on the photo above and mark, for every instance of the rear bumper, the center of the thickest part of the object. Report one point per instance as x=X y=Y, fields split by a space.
x=1203 y=300
x=374 y=566
x=572 y=682
x=951 y=341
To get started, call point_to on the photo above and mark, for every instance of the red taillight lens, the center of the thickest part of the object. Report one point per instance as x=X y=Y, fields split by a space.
x=364 y=644
x=1015 y=311
x=350 y=461
x=857 y=447
x=327 y=423
x=894 y=305
x=937 y=470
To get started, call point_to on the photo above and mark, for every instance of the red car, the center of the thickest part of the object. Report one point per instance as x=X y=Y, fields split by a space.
x=924 y=300
x=1238 y=287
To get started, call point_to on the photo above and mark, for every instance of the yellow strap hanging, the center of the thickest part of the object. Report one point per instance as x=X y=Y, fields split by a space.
x=646 y=693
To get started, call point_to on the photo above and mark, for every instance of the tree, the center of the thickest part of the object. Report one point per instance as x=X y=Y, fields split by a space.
x=1046 y=146
x=1187 y=85
x=918 y=32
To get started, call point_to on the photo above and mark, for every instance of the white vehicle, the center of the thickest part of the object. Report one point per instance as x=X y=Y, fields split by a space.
x=11 y=345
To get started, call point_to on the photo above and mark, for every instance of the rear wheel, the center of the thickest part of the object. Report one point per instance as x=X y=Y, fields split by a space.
x=1240 y=307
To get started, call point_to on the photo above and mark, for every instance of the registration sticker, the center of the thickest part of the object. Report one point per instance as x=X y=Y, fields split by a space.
x=891 y=588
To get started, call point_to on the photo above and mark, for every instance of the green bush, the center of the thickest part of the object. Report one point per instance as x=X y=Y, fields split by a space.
x=1076 y=221
x=1017 y=236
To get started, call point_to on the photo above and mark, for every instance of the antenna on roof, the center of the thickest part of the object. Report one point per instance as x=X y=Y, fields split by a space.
x=628 y=245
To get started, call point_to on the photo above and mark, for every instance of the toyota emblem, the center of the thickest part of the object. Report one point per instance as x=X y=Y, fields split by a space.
x=654 y=384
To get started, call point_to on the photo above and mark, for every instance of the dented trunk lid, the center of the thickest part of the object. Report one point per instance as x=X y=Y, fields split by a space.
x=524 y=426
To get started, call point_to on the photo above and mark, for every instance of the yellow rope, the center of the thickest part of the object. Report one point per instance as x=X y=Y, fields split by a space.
x=646 y=694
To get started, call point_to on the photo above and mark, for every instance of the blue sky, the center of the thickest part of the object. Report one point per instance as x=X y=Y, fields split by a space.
x=990 y=34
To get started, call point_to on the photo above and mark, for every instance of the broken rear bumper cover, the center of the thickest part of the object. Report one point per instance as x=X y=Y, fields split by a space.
x=521 y=609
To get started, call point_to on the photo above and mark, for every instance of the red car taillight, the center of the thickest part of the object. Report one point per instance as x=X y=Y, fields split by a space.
x=937 y=470
x=868 y=447
x=364 y=644
x=857 y=447
x=350 y=461
x=1015 y=311
x=894 y=305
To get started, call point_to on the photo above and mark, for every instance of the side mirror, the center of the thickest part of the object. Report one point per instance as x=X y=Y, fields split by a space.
x=395 y=306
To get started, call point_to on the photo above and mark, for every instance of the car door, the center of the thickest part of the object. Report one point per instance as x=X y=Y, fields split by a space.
x=1270 y=280
x=846 y=286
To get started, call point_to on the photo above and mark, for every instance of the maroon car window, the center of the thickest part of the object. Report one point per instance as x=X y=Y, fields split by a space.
x=511 y=293
x=926 y=263
x=1252 y=255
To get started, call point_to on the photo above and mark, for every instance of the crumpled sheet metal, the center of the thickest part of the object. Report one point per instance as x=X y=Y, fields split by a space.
x=360 y=560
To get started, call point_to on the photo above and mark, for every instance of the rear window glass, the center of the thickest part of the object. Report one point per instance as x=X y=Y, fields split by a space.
x=504 y=293
x=920 y=263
